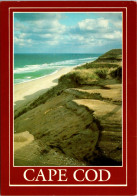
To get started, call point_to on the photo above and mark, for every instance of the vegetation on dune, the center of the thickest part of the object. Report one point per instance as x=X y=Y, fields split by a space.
x=106 y=66
x=55 y=91
x=107 y=60
x=113 y=55
x=102 y=73
x=78 y=77
x=93 y=65
x=117 y=73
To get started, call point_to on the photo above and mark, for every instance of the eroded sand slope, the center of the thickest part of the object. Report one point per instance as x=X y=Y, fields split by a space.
x=78 y=122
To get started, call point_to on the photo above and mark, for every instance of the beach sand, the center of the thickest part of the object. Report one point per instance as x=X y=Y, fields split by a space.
x=27 y=91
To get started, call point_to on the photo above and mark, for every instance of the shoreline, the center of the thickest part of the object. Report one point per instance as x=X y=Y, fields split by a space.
x=37 y=78
x=29 y=90
x=42 y=76
x=52 y=73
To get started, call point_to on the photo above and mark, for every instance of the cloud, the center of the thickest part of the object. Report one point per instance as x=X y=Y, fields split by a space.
x=46 y=31
x=38 y=27
x=92 y=24
x=22 y=42
x=97 y=31
x=117 y=24
x=116 y=35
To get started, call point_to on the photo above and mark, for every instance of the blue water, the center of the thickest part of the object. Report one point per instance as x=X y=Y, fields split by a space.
x=31 y=66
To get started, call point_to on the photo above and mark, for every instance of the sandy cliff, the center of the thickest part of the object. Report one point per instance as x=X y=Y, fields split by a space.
x=77 y=122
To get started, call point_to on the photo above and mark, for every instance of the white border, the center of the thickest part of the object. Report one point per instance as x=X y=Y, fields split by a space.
x=122 y=93
x=44 y=76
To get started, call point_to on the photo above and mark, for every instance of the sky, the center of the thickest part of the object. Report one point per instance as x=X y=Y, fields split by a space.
x=56 y=32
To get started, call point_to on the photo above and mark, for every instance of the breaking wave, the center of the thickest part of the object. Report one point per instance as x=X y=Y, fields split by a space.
x=54 y=66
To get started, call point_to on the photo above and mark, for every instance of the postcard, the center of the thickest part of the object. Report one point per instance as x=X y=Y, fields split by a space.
x=68 y=98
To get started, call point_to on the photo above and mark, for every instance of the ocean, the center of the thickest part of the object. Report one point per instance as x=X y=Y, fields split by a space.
x=32 y=66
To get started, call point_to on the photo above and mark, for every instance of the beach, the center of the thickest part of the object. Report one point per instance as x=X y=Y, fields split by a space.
x=30 y=90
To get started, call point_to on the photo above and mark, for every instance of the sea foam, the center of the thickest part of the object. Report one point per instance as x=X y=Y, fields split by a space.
x=55 y=65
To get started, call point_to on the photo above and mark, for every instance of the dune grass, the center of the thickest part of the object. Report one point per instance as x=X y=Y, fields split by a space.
x=102 y=73
x=79 y=77
x=93 y=65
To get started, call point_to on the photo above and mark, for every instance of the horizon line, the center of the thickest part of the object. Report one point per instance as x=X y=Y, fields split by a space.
x=54 y=53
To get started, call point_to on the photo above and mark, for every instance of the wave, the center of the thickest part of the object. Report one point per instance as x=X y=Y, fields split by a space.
x=54 y=66
x=27 y=79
